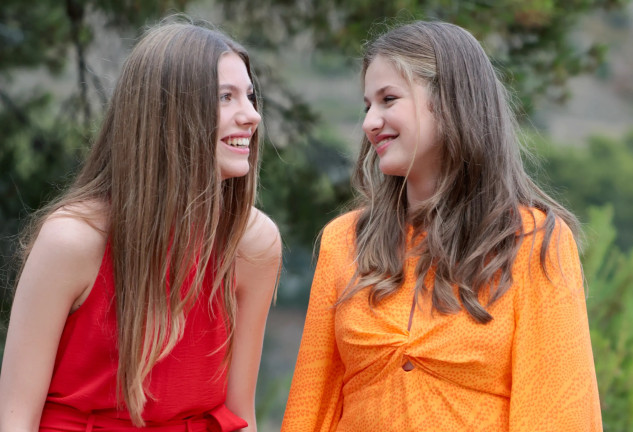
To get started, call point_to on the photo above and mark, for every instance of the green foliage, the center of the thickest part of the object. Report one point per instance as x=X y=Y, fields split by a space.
x=609 y=275
x=528 y=39
x=37 y=156
x=303 y=186
x=595 y=174
x=33 y=34
x=304 y=177
x=272 y=395
x=310 y=179
x=43 y=135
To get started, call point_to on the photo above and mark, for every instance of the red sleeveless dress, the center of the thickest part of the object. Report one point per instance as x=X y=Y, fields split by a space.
x=188 y=385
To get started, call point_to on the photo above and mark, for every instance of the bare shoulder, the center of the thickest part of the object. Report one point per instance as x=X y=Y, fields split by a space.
x=60 y=269
x=258 y=258
x=69 y=247
x=78 y=229
x=262 y=240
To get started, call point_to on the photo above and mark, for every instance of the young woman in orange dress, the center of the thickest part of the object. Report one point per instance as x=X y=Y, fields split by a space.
x=143 y=297
x=452 y=299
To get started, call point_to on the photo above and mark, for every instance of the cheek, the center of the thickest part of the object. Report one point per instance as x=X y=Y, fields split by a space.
x=365 y=126
x=224 y=117
x=257 y=117
x=433 y=129
x=428 y=125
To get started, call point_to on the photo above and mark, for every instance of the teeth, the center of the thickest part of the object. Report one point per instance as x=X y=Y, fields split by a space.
x=238 y=142
x=383 y=141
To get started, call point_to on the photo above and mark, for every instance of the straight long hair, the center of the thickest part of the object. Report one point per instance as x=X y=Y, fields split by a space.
x=169 y=214
x=472 y=225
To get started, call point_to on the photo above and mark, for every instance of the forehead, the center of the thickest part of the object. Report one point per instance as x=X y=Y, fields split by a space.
x=382 y=72
x=231 y=68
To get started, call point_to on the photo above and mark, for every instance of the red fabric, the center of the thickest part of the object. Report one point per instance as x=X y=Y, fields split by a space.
x=57 y=418
x=188 y=385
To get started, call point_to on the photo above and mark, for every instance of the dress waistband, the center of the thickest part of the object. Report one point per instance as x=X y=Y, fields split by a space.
x=58 y=417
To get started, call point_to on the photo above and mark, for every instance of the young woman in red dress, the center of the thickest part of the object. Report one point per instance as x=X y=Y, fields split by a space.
x=145 y=288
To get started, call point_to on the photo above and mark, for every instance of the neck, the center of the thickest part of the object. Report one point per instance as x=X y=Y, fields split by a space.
x=419 y=191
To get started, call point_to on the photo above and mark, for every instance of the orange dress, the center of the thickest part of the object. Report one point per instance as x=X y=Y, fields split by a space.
x=529 y=369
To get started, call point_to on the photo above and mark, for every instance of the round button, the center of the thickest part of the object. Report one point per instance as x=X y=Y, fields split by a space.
x=408 y=366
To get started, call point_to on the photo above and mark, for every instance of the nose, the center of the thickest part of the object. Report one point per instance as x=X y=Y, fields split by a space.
x=373 y=122
x=248 y=115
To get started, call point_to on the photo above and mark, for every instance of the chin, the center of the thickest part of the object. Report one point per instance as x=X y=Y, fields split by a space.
x=234 y=172
x=391 y=170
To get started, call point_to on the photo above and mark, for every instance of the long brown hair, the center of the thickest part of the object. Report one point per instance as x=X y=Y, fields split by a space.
x=471 y=226
x=154 y=165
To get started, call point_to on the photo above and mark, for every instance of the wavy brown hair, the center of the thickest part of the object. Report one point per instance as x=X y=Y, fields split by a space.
x=473 y=221
x=168 y=211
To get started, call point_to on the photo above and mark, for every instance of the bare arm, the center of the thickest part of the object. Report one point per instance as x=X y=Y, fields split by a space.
x=257 y=269
x=59 y=272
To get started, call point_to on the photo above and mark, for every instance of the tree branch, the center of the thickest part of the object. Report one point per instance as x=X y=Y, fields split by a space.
x=75 y=11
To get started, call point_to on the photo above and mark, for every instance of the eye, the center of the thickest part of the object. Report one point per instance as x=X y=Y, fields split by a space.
x=389 y=99
x=225 y=97
x=366 y=109
x=252 y=97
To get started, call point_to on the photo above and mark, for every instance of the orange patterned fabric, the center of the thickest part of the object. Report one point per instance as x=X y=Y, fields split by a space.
x=529 y=369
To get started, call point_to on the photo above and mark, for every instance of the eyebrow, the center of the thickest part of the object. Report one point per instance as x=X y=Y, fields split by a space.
x=234 y=88
x=380 y=91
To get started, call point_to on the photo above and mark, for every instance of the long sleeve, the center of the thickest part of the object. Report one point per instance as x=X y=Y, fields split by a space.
x=315 y=401
x=554 y=384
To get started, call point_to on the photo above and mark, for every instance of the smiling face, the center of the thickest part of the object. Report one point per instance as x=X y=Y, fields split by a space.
x=238 y=117
x=400 y=126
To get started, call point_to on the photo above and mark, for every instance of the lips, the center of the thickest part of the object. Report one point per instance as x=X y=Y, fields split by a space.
x=238 y=140
x=238 y=143
x=381 y=142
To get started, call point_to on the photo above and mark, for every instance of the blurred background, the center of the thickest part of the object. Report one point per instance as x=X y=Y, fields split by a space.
x=569 y=62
